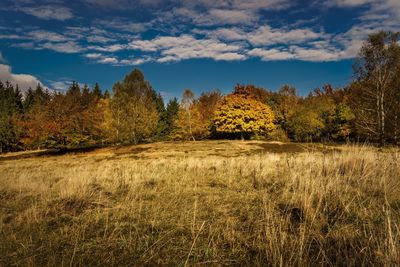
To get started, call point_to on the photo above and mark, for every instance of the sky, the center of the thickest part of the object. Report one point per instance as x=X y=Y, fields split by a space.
x=202 y=45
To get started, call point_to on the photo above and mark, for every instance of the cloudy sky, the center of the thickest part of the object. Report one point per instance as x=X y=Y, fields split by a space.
x=178 y=44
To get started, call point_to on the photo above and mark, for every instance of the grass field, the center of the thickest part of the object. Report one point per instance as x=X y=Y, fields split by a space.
x=216 y=203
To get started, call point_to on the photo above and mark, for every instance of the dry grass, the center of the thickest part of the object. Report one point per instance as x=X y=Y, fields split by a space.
x=203 y=203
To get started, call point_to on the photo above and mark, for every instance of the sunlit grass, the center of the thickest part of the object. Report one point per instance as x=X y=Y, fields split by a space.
x=203 y=203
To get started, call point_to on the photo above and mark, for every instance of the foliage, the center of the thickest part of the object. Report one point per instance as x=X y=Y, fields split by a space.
x=10 y=108
x=134 y=109
x=242 y=116
x=188 y=125
x=375 y=98
x=171 y=114
x=367 y=109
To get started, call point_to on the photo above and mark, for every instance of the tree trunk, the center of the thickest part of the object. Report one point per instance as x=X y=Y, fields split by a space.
x=381 y=110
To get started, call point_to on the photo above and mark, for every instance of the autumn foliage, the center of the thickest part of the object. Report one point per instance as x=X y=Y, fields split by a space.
x=241 y=115
x=367 y=109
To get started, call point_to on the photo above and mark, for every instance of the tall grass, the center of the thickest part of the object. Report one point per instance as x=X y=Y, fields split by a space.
x=328 y=208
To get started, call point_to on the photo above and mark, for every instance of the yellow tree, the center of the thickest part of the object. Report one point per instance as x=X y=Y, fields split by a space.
x=106 y=125
x=238 y=115
x=189 y=124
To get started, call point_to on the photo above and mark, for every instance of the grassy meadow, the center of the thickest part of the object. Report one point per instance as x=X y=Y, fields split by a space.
x=208 y=203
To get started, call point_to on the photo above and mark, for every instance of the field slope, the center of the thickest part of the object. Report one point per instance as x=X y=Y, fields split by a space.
x=202 y=203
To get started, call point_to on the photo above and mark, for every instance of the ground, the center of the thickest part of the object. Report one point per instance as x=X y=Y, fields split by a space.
x=202 y=203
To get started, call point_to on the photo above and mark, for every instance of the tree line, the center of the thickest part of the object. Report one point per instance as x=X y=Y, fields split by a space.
x=368 y=109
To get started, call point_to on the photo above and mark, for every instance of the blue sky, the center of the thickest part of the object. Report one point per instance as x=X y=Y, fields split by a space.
x=202 y=45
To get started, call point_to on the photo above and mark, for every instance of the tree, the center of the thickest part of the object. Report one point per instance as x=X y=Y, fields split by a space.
x=10 y=108
x=134 y=111
x=375 y=70
x=188 y=125
x=189 y=122
x=162 y=115
x=251 y=91
x=96 y=91
x=207 y=104
x=240 y=116
x=186 y=103
x=306 y=124
x=284 y=103
x=171 y=114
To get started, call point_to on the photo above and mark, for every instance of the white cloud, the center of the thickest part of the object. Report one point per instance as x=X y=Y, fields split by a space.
x=24 y=81
x=226 y=16
x=109 y=48
x=124 y=25
x=42 y=35
x=60 y=86
x=230 y=34
x=93 y=55
x=316 y=54
x=187 y=47
x=66 y=47
x=377 y=8
x=48 y=12
x=239 y=4
x=271 y=54
x=313 y=54
x=98 y=39
x=108 y=60
x=347 y=3
x=230 y=56
x=124 y=4
x=265 y=35
x=134 y=62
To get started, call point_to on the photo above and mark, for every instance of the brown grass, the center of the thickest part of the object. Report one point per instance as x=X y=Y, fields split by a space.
x=203 y=203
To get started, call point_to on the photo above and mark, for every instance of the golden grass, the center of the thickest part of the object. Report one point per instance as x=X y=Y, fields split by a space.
x=203 y=203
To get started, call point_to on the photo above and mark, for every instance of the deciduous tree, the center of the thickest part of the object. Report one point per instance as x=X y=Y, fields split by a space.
x=238 y=115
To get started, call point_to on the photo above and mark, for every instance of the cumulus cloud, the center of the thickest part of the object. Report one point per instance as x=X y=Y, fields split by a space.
x=314 y=53
x=266 y=35
x=42 y=35
x=65 y=47
x=224 y=16
x=229 y=34
x=186 y=47
x=376 y=8
x=24 y=81
x=224 y=30
x=106 y=59
x=213 y=16
x=271 y=54
x=48 y=12
x=124 y=25
x=60 y=86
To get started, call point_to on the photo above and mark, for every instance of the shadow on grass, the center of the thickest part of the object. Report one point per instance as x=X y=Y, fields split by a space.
x=51 y=152
x=281 y=148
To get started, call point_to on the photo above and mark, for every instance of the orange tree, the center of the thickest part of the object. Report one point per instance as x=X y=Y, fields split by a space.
x=241 y=116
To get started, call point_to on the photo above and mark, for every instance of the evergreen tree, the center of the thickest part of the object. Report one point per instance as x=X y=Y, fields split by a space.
x=28 y=100
x=106 y=95
x=10 y=107
x=96 y=91
x=162 y=120
x=171 y=114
